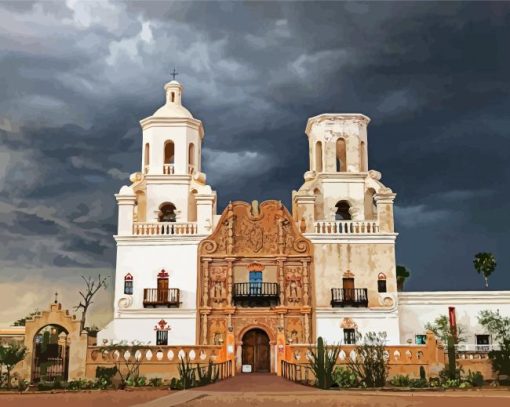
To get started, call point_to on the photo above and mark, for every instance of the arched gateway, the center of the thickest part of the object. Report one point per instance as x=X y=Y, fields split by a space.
x=254 y=280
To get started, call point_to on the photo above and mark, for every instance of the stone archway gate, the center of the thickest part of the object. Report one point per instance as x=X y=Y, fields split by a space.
x=77 y=341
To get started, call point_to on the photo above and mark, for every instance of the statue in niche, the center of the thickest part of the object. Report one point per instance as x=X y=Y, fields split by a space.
x=294 y=285
x=217 y=291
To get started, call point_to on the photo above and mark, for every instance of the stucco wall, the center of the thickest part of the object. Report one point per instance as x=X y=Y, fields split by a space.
x=418 y=308
x=364 y=260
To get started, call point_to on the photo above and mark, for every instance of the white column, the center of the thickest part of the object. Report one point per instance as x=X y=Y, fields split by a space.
x=205 y=204
x=126 y=199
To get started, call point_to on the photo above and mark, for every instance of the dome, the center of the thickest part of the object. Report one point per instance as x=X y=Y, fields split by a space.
x=173 y=110
x=173 y=107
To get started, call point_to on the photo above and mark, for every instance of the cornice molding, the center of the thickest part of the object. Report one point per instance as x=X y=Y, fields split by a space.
x=166 y=240
x=376 y=238
x=355 y=117
x=453 y=297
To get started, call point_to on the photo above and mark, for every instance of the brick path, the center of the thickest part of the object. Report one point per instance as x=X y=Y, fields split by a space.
x=257 y=382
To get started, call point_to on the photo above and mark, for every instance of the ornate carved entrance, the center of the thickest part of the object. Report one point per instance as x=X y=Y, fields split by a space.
x=255 y=270
x=255 y=350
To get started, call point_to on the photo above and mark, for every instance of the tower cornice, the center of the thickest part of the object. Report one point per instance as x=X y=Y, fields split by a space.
x=153 y=121
x=354 y=117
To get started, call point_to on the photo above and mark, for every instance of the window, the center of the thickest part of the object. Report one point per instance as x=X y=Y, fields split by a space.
x=349 y=336
x=341 y=161
x=169 y=152
x=342 y=211
x=161 y=337
x=318 y=156
x=420 y=339
x=381 y=285
x=483 y=343
x=128 y=284
x=255 y=282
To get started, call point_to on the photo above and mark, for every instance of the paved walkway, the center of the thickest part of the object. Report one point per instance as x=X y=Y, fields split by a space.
x=266 y=390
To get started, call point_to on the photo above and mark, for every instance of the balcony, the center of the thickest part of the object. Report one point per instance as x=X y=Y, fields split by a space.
x=346 y=227
x=256 y=294
x=349 y=297
x=153 y=297
x=165 y=229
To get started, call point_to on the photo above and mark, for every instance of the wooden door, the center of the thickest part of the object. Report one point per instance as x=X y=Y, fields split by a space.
x=348 y=289
x=256 y=351
x=162 y=290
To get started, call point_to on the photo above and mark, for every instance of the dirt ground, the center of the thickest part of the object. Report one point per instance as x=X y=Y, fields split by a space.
x=344 y=399
x=82 y=399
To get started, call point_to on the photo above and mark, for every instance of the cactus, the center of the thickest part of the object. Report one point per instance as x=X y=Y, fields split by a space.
x=322 y=362
x=422 y=373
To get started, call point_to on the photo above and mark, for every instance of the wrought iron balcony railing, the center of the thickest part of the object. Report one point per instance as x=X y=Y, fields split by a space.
x=256 y=294
x=349 y=297
x=153 y=297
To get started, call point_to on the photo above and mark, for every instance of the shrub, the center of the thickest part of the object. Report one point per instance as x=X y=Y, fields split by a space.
x=106 y=373
x=322 y=362
x=79 y=384
x=344 y=377
x=210 y=375
x=45 y=386
x=22 y=385
x=475 y=378
x=451 y=383
x=156 y=381
x=400 y=381
x=418 y=383
x=371 y=362
x=140 y=381
x=186 y=373
x=175 y=384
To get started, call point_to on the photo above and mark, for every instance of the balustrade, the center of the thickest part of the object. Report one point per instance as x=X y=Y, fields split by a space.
x=168 y=169
x=164 y=228
x=347 y=227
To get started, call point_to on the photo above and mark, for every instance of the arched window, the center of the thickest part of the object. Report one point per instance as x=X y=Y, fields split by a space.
x=362 y=153
x=318 y=211
x=191 y=158
x=141 y=206
x=167 y=212
x=146 y=156
x=342 y=211
x=128 y=284
x=381 y=283
x=173 y=97
x=169 y=152
x=318 y=156
x=341 y=155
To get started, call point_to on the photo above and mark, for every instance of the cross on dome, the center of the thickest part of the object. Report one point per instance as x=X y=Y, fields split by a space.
x=174 y=74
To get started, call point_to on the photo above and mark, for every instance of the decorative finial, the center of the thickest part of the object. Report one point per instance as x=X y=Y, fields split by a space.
x=174 y=74
x=56 y=297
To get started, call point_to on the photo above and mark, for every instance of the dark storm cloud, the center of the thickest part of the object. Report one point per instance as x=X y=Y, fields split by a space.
x=78 y=76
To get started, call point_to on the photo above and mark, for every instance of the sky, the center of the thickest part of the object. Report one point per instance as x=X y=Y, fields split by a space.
x=76 y=78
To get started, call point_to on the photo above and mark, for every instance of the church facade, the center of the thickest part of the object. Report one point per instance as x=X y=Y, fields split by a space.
x=186 y=275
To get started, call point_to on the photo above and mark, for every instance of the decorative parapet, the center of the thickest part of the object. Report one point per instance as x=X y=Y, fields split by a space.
x=165 y=229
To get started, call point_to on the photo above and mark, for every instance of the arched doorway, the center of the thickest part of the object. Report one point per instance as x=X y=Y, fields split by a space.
x=50 y=354
x=256 y=351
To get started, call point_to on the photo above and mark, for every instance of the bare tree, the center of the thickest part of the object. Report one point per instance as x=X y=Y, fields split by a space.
x=92 y=286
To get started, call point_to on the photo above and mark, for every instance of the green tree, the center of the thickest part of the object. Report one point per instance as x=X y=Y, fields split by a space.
x=10 y=356
x=499 y=327
x=450 y=337
x=403 y=274
x=485 y=264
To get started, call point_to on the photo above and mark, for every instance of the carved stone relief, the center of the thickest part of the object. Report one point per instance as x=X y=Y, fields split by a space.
x=293 y=284
x=218 y=289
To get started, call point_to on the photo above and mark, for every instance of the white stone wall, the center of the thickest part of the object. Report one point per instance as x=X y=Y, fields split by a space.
x=418 y=308
x=329 y=323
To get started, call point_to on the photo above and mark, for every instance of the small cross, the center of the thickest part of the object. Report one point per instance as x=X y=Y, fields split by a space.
x=174 y=74
x=56 y=298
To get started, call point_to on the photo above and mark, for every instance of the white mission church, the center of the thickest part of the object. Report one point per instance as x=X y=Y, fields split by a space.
x=187 y=275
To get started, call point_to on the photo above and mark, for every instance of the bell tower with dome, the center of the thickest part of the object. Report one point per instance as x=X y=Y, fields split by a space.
x=163 y=215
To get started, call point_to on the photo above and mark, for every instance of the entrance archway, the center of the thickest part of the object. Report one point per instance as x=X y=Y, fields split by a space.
x=256 y=351
x=50 y=359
